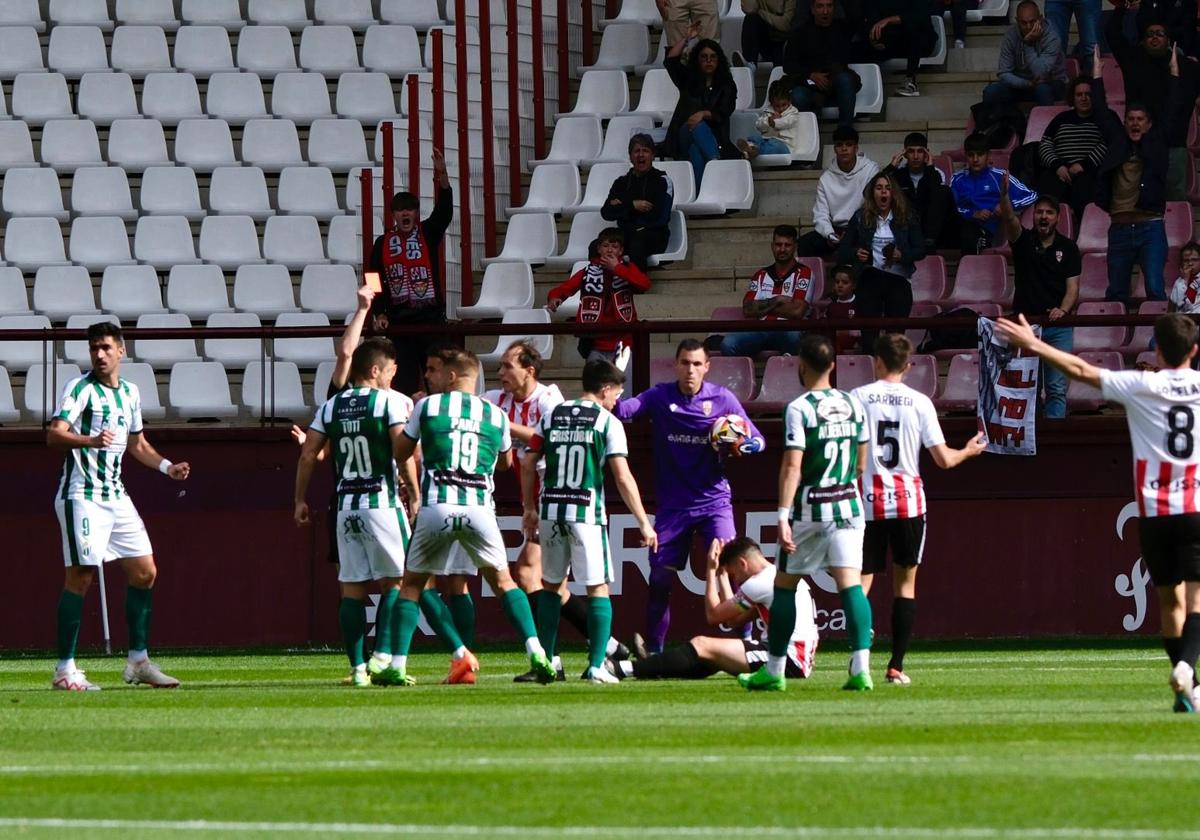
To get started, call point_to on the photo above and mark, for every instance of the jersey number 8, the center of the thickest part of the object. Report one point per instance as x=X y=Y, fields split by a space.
x=1181 y=423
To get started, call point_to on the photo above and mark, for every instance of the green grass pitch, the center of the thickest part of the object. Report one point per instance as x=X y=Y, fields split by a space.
x=989 y=741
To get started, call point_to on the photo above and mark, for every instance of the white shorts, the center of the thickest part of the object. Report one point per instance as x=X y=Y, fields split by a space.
x=371 y=543
x=579 y=547
x=458 y=563
x=442 y=526
x=97 y=532
x=825 y=545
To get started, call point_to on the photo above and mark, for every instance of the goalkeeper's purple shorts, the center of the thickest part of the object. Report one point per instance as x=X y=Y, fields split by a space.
x=677 y=530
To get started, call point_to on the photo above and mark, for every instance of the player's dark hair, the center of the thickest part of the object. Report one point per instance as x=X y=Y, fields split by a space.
x=611 y=234
x=1049 y=200
x=976 y=142
x=528 y=357
x=779 y=89
x=1175 y=334
x=641 y=139
x=688 y=345
x=458 y=359
x=786 y=231
x=841 y=268
x=916 y=138
x=845 y=134
x=816 y=350
x=374 y=351
x=894 y=350
x=1191 y=245
x=600 y=372
x=1076 y=82
x=1130 y=107
x=405 y=200
x=737 y=548
x=102 y=329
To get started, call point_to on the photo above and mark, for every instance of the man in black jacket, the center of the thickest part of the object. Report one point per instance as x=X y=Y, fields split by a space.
x=639 y=202
x=816 y=64
x=924 y=185
x=899 y=29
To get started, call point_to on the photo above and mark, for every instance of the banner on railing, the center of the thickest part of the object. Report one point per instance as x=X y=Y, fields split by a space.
x=1008 y=391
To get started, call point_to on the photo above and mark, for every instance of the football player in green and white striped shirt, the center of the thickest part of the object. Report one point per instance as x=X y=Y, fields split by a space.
x=821 y=521
x=578 y=438
x=98 y=421
x=463 y=439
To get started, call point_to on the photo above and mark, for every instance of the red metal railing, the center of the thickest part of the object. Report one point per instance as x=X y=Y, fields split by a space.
x=488 y=135
x=514 y=116
x=564 y=58
x=466 y=285
x=539 y=83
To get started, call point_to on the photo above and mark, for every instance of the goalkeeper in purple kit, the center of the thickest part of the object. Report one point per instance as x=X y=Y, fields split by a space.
x=692 y=492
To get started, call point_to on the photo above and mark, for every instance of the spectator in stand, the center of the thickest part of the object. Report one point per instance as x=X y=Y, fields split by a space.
x=680 y=16
x=958 y=16
x=699 y=128
x=765 y=29
x=407 y=257
x=883 y=242
x=1185 y=294
x=1071 y=149
x=1179 y=16
x=1132 y=187
x=899 y=29
x=1087 y=21
x=606 y=286
x=977 y=196
x=778 y=292
x=640 y=203
x=924 y=185
x=816 y=64
x=1146 y=67
x=778 y=126
x=839 y=194
x=1032 y=65
x=844 y=304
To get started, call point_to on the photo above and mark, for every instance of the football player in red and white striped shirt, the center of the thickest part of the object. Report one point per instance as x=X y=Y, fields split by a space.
x=901 y=421
x=1161 y=408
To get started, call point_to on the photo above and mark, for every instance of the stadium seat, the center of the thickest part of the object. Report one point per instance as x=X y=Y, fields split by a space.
x=636 y=11
x=851 y=371
x=530 y=237
x=743 y=124
x=235 y=97
x=923 y=375
x=1114 y=84
x=1093 y=280
x=677 y=245
x=30 y=191
x=266 y=50
x=147 y=13
x=616 y=138
x=164 y=352
x=76 y=351
x=170 y=191
x=307 y=191
x=70 y=144
x=662 y=369
x=659 y=96
x=961 y=391
x=329 y=49
x=288 y=13
x=602 y=93
x=281 y=395
x=921 y=310
x=60 y=291
x=204 y=144
x=1178 y=222
x=203 y=50
x=552 y=187
x=929 y=280
x=18 y=14
x=623 y=46
x=817 y=267
x=104 y=97
x=869 y=99
x=366 y=97
x=302 y=97
x=16 y=145
x=343 y=241
x=225 y=13
x=138 y=50
x=38 y=97
x=337 y=144
x=780 y=384
x=419 y=14
x=575 y=140
x=1099 y=338
x=171 y=97
x=1139 y=341
x=727 y=185
x=200 y=389
x=14 y=298
x=543 y=343
x=8 y=407
x=505 y=286
x=75 y=50
x=19 y=355
x=136 y=144
x=20 y=50
x=99 y=241
x=1039 y=119
x=391 y=49
x=584 y=228
x=1093 y=231
x=80 y=12
x=599 y=181
x=142 y=376
x=233 y=351
x=197 y=291
x=683 y=181
x=305 y=352
x=164 y=242
x=44 y=386
x=357 y=14
x=743 y=79
x=293 y=241
x=735 y=373
x=31 y=242
x=981 y=278
x=329 y=289
x=321 y=381
x=128 y=291
x=102 y=191
x=239 y=190
x=229 y=241
x=265 y=290
x=271 y=144
x=1083 y=397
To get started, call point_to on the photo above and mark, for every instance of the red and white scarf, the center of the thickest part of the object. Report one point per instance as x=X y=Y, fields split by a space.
x=408 y=269
x=598 y=284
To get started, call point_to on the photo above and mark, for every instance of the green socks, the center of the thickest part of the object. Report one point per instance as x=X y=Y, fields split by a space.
x=352 y=616
x=440 y=619
x=385 y=622
x=462 y=607
x=70 y=613
x=600 y=628
x=858 y=617
x=783 y=621
x=407 y=616
x=516 y=607
x=549 y=608
x=137 y=617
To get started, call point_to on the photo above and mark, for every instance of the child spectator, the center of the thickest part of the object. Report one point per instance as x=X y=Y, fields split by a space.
x=977 y=195
x=1185 y=294
x=843 y=305
x=778 y=126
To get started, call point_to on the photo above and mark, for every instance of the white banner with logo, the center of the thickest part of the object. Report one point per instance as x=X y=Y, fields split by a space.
x=1008 y=392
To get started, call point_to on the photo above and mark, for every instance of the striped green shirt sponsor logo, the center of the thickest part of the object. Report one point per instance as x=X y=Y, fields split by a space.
x=90 y=407
x=828 y=425
x=462 y=437
x=577 y=437
x=358 y=423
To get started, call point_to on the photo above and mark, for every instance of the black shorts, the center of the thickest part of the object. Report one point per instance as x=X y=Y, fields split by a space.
x=905 y=537
x=1171 y=547
x=756 y=655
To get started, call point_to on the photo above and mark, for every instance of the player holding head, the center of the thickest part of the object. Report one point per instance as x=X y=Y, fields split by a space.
x=693 y=495
x=738 y=563
x=99 y=419
x=901 y=421
x=463 y=439
x=578 y=438
x=820 y=514
x=1161 y=408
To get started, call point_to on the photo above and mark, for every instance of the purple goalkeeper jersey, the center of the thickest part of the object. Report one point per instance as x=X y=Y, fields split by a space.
x=687 y=470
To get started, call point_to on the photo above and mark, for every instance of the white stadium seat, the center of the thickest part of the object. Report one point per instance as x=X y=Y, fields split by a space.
x=636 y=11
x=321 y=381
x=136 y=144
x=19 y=355
x=16 y=14
x=599 y=182
x=265 y=290
x=505 y=286
x=20 y=51
x=419 y=14
x=233 y=351
x=75 y=50
x=8 y=406
x=329 y=49
x=60 y=291
x=337 y=144
x=33 y=242
x=203 y=50
x=70 y=144
x=293 y=241
x=223 y=13
x=575 y=140
x=76 y=351
x=584 y=228
x=938 y=57
x=14 y=298
x=266 y=50
x=281 y=395
x=270 y=144
x=235 y=97
x=683 y=181
x=302 y=97
x=43 y=388
x=99 y=241
x=16 y=145
x=602 y=93
x=239 y=190
x=308 y=191
x=200 y=389
x=33 y=191
x=171 y=97
x=305 y=352
x=142 y=375
x=229 y=241
x=677 y=245
x=616 y=137
x=623 y=46
x=102 y=191
x=329 y=289
x=742 y=124
x=128 y=291
x=148 y=13
x=204 y=144
x=164 y=241
x=530 y=237
x=80 y=12
x=171 y=191
x=392 y=49
x=366 y=97
x=727 y=185
x=197 y=291
x=743 y=78
x=104 y=97
x=343 y=241
x=139 y=50
x=37 y=97
x=289 y=13
x=553 y=187
x=357 y=14
x=543 y=343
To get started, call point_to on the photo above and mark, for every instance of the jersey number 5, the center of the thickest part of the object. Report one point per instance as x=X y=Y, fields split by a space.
x=885 y=436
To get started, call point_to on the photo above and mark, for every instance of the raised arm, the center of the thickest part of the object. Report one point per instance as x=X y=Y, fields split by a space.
x=1020 y=334
x=1008 y=216
x=720 y=607
x=350 y=338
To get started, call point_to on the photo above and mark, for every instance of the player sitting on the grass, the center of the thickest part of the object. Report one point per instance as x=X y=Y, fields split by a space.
x=739 y=562
x=578 y=438
x=98 y=421
x=463 y=439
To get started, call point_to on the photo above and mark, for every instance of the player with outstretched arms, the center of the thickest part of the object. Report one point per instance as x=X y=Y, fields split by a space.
x=99 y=420
x=901 y=421
x=1161 y=409
x=820 y=514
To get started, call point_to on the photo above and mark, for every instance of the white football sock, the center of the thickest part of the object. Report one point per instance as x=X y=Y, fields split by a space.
x=66 y=665
x=136 y=656
x=532 y=646
x=860 y=661
x=775 y=665
x=459 y=653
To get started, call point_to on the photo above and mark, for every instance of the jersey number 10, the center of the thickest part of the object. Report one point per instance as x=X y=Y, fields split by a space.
x=570 y=466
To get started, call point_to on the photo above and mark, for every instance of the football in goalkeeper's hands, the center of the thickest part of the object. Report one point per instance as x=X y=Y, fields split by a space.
x=727 y=434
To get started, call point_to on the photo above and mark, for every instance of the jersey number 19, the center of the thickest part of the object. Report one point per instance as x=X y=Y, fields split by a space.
x=464 y=452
